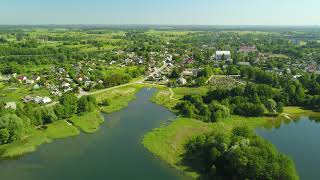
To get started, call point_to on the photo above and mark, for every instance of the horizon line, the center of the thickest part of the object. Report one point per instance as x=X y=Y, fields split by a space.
x=133 y=24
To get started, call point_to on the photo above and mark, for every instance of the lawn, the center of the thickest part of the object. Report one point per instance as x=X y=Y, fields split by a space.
x=162 y=97
x=182 y=91
x=89 y=122
x=118 y=98
x=17 y=91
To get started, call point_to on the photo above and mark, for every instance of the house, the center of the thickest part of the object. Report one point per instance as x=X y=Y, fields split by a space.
x=189 y=60
x=22 y=78
x=128 y=61
x=30 y=81
x=247 y=49
x=10 y=105
x=27 y=99
x=69 y=89
x=37 y=100
x=182 y=81
x=36 y=78
x=190 y=72
x=61 y=70
x=87 y=83
x=243 y=63
x=297 y=76
x=42 y=100
x=5 y=78
x=46 y=100
x=223 y=55
x=80 y=79
x=65 y=85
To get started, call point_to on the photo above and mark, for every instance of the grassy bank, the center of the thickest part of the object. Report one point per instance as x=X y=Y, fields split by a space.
x=168 y=142
x=89 y=122
x=118 y=98
x=36 y=137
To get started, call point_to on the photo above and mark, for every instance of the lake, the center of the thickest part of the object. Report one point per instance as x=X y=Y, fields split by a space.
x=299 y=140
x=114 y=152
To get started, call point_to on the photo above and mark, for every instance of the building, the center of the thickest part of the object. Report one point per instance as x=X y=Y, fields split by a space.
x=36 y=78
x=22 y=78
x=223 y=55
x=46 y=100
x=243 y=63
x=27 y=99
x=247 y=49
x=182 y=81
x=190 y=72
x=10 y=105
x=42 y=100
x=30 y=81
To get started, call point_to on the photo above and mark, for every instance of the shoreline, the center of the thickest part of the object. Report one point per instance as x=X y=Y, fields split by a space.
x=167 y=142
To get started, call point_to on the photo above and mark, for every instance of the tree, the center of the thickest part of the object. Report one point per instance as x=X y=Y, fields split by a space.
x=218 y=111
x=271 y=106
x=175 y=73
x=232 y=70
x=87 y=104
x=70 y=105
x=4 y=136
x=240 y=154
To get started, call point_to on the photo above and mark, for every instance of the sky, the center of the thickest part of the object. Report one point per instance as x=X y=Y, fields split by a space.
x=158 y=12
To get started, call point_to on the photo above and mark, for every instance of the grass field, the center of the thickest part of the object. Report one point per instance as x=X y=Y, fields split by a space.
x=182 y=91
x=168 y=142
x=118 y=98
x=89 y=122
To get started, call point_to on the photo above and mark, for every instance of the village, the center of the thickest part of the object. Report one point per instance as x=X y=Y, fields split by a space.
x=60 y=80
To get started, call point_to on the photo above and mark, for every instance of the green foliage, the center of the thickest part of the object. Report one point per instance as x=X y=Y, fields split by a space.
x=249 y=101
x=175 y=73
x=239 y=155
x=193 y=106
x=4 y=136
x=218 y=111
x=14 y=125
x=87 y=104
x=70 y=105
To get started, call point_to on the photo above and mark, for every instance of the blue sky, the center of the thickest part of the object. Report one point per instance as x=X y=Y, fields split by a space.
x=186 y=12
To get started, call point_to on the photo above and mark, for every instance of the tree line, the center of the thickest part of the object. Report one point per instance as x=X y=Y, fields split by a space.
x=240 y=154
x=15 y=124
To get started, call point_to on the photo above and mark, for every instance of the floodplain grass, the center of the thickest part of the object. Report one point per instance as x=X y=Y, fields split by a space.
x=89 y=122
x=36 y=137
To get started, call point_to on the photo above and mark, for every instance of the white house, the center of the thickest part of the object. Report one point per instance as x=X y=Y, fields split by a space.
x=223 y=55
x=30 y=81
x=65 y=85
x=46 y=100
x=10 y=105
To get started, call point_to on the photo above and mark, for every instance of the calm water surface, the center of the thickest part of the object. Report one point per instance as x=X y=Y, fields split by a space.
x=301 y=141
x=114 y=152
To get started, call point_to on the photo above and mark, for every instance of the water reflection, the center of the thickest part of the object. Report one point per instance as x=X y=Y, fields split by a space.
x=297 y=138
